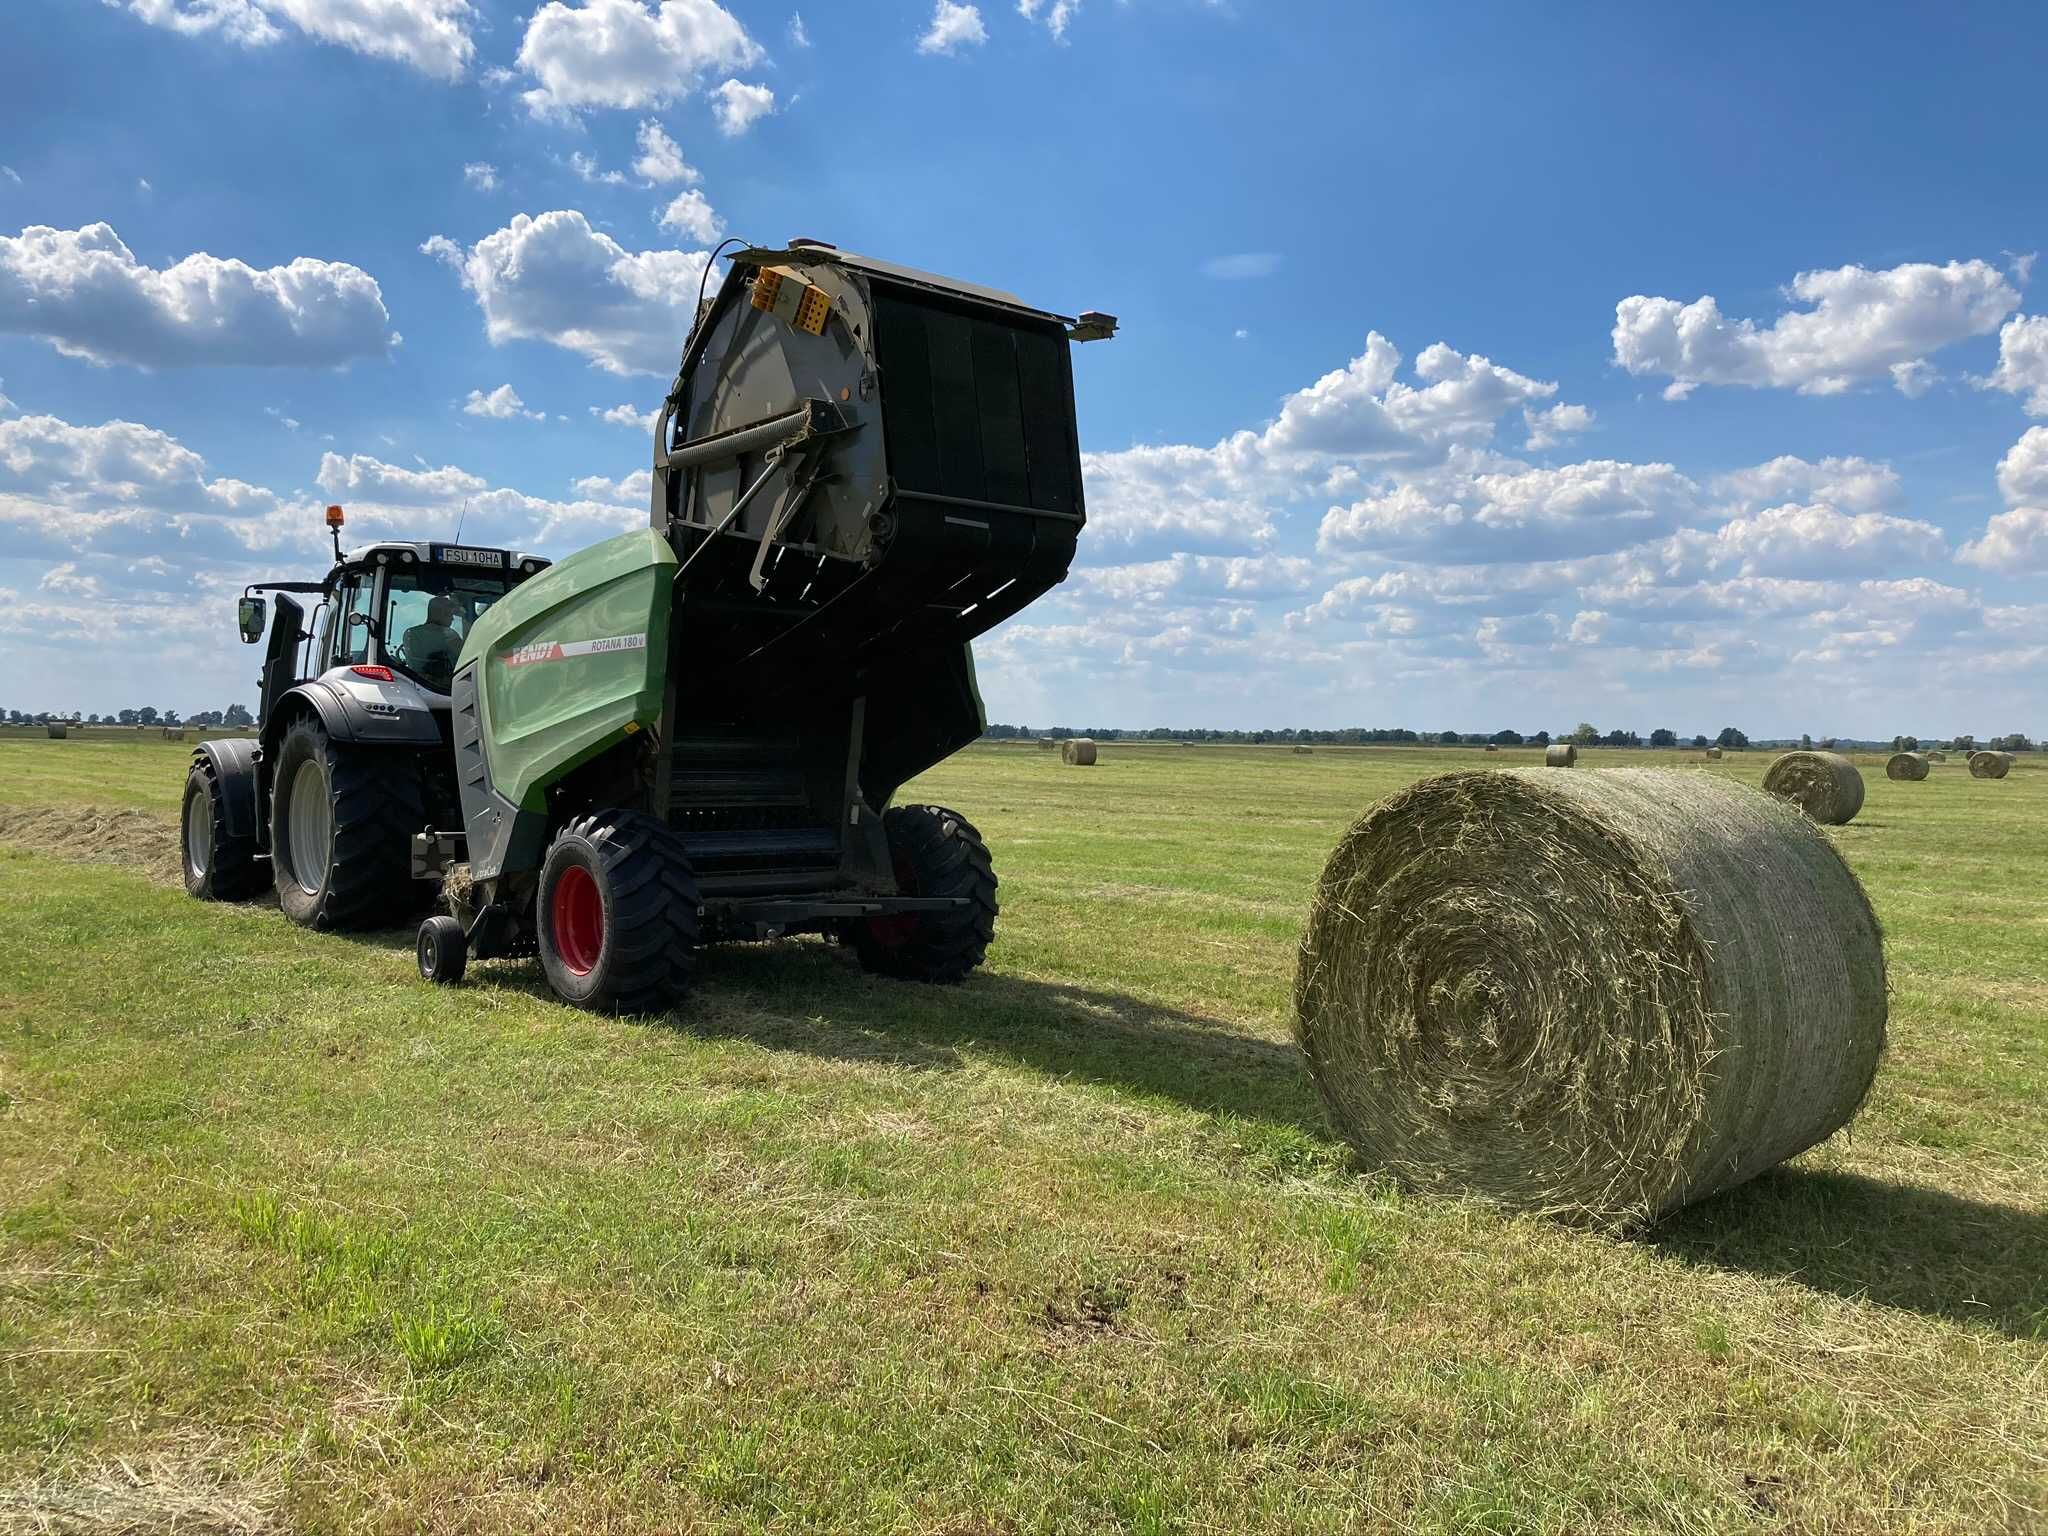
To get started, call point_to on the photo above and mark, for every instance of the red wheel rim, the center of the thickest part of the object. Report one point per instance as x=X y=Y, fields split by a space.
x=577 y=917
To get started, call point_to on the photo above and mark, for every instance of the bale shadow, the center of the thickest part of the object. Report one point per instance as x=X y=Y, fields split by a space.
x=813 y=998
x=1900 y=1245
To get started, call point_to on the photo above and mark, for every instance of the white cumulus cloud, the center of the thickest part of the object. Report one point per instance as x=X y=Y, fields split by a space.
x=1860 y=325
x=2023 y=362
x=737 y=106
x=431 y=36
x=1057 y=15
x=625 y=416
x=482 y=175
x=372 y=479
x=2023 y=472
x=661 y=158
x=954 y=26
x=501 y=404
x=553 y=278
x=691 y=216
x=84 y=292
x=627 y=54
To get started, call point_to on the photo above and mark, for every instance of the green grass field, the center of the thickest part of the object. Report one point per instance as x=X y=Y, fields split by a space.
x=290 y=1236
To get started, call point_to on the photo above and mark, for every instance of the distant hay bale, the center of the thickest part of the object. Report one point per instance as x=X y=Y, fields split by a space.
x=1493 y=746
x=1563 y=755
x=1046 y=743
x=1825 y=785
x=58 y=732
x=1990 y=765
x=1079 y=751
x=1714 y=754
x=1303 y=751
x=1935 y=757
x=1598 y=997
x=1910 y=767
x=173 y=733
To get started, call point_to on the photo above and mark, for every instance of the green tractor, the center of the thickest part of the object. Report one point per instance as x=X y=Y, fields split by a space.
x=695 y=732
x=354 y=753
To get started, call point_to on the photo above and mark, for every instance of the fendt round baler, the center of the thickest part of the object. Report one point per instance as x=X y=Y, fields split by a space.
x=695 y=732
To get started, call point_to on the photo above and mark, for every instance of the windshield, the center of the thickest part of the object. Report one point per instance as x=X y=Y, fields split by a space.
x=428 y=614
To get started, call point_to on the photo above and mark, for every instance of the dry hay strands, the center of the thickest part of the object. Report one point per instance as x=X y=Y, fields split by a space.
x=1563 y=755
x=1714 y=753
x=1990 y=765
x=1597 y=998
x=1078 y=751
x=1825 y=785
x=1910 y=767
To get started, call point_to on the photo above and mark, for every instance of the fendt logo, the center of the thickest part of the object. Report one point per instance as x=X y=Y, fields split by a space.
x=550 y=650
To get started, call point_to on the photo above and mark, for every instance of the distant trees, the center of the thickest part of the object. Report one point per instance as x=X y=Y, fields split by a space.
x=1731 y=740
x=1905 y=743
x=1621 y=739
x=237 y=715
x=2016 y=742
x=1506 y=738
x=1663 y=738
x=1805 y=741
x=1586 y=735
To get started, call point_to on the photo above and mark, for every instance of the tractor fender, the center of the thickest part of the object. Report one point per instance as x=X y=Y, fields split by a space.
x=232 y=763
x=361 y=712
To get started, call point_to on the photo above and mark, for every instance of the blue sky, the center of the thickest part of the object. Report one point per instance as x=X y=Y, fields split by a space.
x=1503 y=365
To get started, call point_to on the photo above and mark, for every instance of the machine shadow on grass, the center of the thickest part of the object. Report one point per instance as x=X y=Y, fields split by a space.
x=1899 y=1245
x=812 y=998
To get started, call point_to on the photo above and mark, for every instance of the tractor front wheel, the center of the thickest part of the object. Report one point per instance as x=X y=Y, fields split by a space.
x=936 y=852
x=218 y=866
x=617 y=914
x=341 y=819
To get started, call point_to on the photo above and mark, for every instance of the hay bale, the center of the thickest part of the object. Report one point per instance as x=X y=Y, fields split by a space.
x=1079 y=751
x=1714 y=754
x=1908 y=767
x=1990 y=765
x=1493 y=746
x=58 y=732
x=1598 y=997
x=1046 y=743
x=1934 y=756
x=1825 y=785
x=1303 y=751
x=173 y=733
x=1563 y=755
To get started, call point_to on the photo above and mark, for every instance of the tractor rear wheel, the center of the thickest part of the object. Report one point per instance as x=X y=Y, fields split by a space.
x=218 y=866
x=617 y=914
x=341 y=821
x=936 y=852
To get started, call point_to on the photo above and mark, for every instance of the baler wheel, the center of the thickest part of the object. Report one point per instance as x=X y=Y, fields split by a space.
x=218 y=867
x=341 y=820
x=443 y=950
x=617 y=914
x=936 y=852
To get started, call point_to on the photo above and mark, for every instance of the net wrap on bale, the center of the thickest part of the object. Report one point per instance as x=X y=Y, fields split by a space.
x=1563 y=755
x=1825 y=785
x=1078 y=751
x=1990 y=765
x=1596 y=997
x=1714 y=753
x=1910 y=767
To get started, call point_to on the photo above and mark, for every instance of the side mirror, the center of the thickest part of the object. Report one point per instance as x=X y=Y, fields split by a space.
x=249 y=616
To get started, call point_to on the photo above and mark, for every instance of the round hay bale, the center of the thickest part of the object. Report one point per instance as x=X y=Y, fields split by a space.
x=1935 y=757
x=1563 y=755
x=1990 y=765
x=1825 y=785
x=174 y=733
x=58 y=732
x=1909 y=767
x=1493 y=746
x=1303 y=751
x=1079 y=751
x=1046 y=743
x=1714 y=754
x=1597 y=997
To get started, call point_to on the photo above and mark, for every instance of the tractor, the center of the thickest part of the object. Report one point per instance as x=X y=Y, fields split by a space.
x=695 y=732
x=354 y=752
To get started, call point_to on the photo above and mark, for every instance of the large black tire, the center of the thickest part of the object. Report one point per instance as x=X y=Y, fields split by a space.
x=936 y=852
x=218 y=867
x=617 y=914
x=359 y=873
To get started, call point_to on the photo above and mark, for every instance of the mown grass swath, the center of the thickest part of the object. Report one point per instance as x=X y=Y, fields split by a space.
x=289 y=1236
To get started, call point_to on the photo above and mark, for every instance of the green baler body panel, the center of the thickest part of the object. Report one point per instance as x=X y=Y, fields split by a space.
x=573 y=661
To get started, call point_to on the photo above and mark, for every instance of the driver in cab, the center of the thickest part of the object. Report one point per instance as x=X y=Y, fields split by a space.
x=431 y=648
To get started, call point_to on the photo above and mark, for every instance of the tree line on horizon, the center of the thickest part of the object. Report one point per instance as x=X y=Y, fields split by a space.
x=1729 y=738
x=234 y=717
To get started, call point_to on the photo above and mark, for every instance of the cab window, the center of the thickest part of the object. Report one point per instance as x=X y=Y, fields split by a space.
x=351 y=635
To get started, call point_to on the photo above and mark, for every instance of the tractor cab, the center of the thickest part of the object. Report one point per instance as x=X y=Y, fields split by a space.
x=387 y=623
